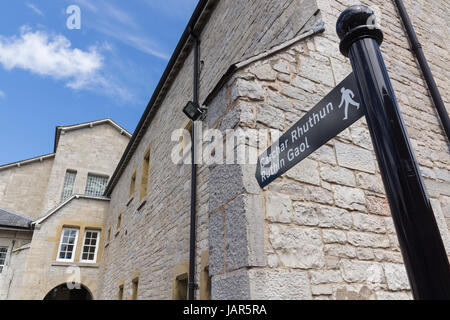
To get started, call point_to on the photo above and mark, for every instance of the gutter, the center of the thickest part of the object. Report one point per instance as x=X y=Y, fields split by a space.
x=425 y=68
x=192 y=242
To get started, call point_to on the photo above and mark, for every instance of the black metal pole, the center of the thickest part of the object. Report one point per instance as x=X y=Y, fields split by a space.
x=191 y=283
x=420 y=241
x=426 y=71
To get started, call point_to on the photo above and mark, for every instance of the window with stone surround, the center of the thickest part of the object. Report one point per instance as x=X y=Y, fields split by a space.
x=96 y=185
x=146 y=166
x=120 y=295
x=134 y=288
x=3 y=253
x=119 y=221
x=90 y=246
x=69 y=182
x=133 y=184
x=67 y=244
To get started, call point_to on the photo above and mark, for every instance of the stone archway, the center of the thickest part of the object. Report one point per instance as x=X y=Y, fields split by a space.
x=62 y=292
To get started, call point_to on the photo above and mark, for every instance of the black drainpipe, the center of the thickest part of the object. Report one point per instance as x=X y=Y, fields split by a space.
x=417 y=49
x=192 y=285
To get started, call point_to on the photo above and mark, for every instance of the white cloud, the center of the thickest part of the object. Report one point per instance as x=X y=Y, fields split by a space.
x=33 y=7
x=48 y=55
x=53 y=56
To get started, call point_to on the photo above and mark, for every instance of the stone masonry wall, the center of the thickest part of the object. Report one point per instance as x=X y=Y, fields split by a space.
x=95 y=150
x=154 y=236
x=36 y=270
x=13 y=240
x=22 y=190
x=324 y=230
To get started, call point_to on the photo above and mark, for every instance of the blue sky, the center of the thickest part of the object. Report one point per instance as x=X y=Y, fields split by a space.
x=51 y=75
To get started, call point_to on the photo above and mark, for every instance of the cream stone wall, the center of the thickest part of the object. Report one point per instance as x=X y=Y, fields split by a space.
x=322 y=231
x=22 y=189
x=326 y=224
x=41 y=272
x=154 y=237
x=13 y=240
x=94 y=150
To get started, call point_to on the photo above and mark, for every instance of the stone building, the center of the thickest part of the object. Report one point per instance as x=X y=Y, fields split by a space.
x=57 y=194
x=321 y=231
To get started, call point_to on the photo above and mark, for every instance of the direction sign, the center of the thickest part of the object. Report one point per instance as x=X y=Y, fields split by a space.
x=339 y=109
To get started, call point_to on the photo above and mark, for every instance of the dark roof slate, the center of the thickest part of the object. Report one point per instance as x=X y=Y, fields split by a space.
x=13 y=220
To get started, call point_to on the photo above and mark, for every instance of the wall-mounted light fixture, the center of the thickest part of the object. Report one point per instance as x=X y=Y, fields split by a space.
x=193 y=111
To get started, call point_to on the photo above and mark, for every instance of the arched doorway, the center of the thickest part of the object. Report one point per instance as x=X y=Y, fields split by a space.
x=61 y=292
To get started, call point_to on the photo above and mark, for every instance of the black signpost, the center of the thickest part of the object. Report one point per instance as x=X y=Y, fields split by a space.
x=368 y=91
x=338 y=110
x=420 y=241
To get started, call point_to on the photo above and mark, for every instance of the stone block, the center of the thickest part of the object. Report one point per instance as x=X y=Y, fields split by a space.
x=377 y=205
x=332 y=217
x=370 y=182
x=354 y=157
x=334 y=236
x=306 y=171
x=396 y=277
x=365 y=222
x=216 y=243
x=270 y=116
x=248 y=89
x=296 y=247
x=349 y=198
x=231 y=286
x=278 y=208
x=225 y=184
x=337 y=175
x=316 y=71
x=279 y=284
x=361 y=239
x=341 y=251
x=264 y=72
x=362 y=271
x=325 y=276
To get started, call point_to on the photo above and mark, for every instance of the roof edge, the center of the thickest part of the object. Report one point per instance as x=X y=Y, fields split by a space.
x=26 y=161
x=62 y=204
x=82 y=125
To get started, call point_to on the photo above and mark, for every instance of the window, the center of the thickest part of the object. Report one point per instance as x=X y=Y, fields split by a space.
x=96 y=185
x=90 y=246
x=205 y=279
x=119 y=221
x=68 y=243
x=69 y=181
x=135 y=287
x=3 y=252
x=120 y=295
x=145 y=174
x=133 y=183
x=181 y=286
x=180 y=281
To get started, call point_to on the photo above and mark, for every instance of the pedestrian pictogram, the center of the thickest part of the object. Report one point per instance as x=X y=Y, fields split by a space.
x=347 y=98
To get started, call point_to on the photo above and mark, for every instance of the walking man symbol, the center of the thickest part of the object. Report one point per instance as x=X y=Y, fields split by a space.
x=347 y=97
